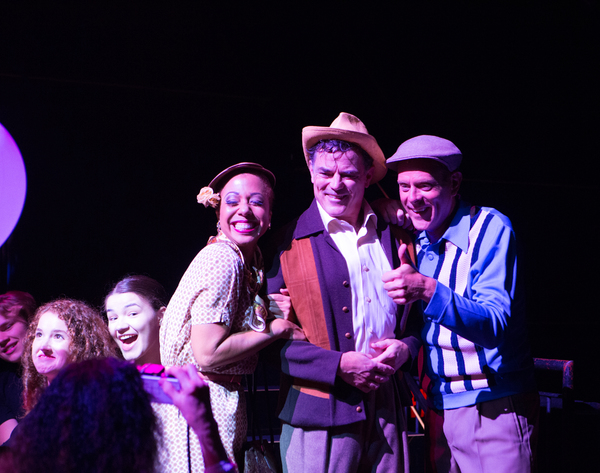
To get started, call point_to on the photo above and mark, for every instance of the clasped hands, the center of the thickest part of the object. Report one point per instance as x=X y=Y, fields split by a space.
x=368 y=373
x=404 y=285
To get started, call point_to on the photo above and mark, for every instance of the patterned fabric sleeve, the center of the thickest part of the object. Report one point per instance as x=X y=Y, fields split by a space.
x=176 y=326
x=217 y=280
x=212 y=290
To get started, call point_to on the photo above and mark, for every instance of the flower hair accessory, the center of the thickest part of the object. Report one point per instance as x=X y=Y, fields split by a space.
x=208 y=197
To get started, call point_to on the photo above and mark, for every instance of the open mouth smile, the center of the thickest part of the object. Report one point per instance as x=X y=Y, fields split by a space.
x=9 y=349
x=127 y=340
x=336 y=197
x=421 y=212
x=244 y=227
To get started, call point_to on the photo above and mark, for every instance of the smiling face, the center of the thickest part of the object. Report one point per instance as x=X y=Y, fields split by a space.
x=339 y=182
x=245 y=211
x=51 y=345
x=428 y=195
x=12 y=336
x=134 y=324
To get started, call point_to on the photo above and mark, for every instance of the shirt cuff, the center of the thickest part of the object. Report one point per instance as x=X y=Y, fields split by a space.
x=434 y=311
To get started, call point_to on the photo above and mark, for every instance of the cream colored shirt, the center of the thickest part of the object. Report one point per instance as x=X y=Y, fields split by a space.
x=373 y=311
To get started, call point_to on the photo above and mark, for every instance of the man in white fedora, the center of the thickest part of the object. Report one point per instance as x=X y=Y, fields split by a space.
x=340 y=406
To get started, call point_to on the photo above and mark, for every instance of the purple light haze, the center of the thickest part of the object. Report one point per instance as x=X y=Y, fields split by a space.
x=13 y=184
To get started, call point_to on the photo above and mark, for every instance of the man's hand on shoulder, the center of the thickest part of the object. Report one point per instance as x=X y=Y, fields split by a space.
x=362 y=372
x=392 y=212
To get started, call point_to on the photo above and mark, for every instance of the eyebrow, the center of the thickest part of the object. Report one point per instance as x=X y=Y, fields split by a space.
x=418 y=181
x=254 y=194
x=53 y=331
x=343 y=172
x=132 y=304
x=60 y=331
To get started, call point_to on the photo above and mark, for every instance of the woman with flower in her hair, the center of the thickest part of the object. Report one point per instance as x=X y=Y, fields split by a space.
x=216 y=319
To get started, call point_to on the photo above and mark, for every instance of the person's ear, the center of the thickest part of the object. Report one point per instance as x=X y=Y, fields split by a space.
x=310 y=169
x=369 y=176
x=160 y=313
x=455 y=181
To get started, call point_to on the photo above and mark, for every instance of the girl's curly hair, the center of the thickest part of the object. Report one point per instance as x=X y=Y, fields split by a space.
x=90 y=339
x=94 y=417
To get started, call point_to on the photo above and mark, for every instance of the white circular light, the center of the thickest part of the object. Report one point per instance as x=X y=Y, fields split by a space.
x=13 y=184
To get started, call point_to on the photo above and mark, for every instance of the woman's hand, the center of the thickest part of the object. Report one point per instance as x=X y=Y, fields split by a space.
x=280 y=305
x=281 y=328
x=214 y=345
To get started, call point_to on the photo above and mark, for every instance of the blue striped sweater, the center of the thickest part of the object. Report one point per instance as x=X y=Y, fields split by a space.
x=474 y=335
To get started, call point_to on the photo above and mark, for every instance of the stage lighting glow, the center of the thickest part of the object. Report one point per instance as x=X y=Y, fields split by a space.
x=13 y=184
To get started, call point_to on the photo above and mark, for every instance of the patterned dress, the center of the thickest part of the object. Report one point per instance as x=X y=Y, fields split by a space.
x=216 y=288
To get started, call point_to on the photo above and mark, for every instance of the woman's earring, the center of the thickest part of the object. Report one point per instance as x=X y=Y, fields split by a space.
x=219 y=226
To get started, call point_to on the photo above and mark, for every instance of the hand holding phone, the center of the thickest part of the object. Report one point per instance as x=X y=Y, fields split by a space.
x=155 y=390
x=151 y=374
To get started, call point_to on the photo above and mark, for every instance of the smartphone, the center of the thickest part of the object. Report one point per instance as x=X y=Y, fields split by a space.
x=156 y=391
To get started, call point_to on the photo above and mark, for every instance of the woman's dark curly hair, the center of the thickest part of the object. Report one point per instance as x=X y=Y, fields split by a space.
x=90 y=338
x=94 y=417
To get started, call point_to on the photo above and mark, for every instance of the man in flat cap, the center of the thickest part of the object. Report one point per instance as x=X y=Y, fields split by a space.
x=341 y=410
x=474 y=333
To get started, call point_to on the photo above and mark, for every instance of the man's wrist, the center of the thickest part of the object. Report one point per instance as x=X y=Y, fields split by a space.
x=428 y=289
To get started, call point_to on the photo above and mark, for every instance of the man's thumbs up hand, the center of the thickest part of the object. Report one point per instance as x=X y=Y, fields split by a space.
x=405 y=284
x=403 y=255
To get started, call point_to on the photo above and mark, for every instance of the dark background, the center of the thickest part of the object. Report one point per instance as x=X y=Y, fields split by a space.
x=122 y=113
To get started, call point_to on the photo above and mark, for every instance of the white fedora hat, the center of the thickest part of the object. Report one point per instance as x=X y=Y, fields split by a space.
x=346 y=127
